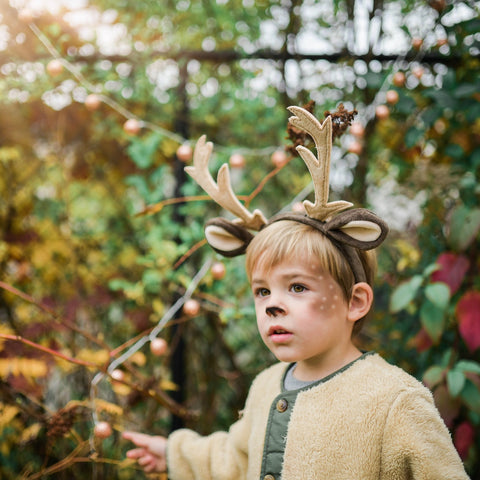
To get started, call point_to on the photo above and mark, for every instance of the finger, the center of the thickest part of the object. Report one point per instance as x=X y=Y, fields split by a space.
x=147 y=460
x=139 y=439
x=136 y=453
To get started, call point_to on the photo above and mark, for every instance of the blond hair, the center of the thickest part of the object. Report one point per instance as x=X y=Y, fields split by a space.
x=289 y=239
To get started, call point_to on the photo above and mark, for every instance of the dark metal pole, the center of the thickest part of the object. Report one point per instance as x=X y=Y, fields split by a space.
x=178 y=360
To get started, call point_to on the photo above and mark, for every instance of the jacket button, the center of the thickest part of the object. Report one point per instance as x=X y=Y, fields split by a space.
x=268 y=477
x=282 y=406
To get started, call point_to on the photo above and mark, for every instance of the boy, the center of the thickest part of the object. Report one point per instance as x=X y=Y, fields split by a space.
x=327 y=410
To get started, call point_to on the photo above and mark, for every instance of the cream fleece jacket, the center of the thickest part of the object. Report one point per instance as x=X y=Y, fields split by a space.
x=368 y=421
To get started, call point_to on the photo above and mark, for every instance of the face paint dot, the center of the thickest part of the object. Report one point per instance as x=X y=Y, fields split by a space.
x=324 y=299
x=335 y=297
x=322 y=307
x=330 y=286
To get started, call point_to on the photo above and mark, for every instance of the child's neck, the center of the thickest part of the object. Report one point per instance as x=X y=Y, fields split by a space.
x=311 y=370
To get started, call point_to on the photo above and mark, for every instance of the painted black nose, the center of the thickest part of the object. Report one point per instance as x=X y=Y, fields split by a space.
x=273 y=311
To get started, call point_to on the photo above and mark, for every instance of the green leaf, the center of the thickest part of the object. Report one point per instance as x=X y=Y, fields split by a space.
x=443 y=98
x=465 y=90
x=143 y=150
x=430 y=269
x=412 y=136
x=475 y=158
x=405 y=293
x=468 y=366
x=433 y=376
x=455 y=382
x=152 y=280
x=471 y=396
x=432 y=319
x=374 y=80
x=431 y=115
x=455 y=151
x=464 y=227
x=439 y=294
x=405 y=104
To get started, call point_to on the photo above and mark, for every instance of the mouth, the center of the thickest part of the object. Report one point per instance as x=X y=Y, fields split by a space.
x=279 y=334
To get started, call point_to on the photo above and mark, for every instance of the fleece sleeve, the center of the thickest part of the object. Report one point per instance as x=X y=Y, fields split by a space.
x=219 y=456
x=416 y=443
x=215 y=457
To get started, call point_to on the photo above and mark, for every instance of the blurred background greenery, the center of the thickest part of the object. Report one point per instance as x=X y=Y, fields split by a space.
x=101 y=231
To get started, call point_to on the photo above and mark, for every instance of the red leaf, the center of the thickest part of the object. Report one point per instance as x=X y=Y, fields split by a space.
x=463 y=438
x=421 y=341
x=452 y=270
x=447 y=406
x=468 y=314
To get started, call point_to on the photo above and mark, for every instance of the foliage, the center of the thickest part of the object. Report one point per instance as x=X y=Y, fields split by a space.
x=102 y=232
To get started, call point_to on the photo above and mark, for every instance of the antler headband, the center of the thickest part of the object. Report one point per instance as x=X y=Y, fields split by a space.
x=350 y=230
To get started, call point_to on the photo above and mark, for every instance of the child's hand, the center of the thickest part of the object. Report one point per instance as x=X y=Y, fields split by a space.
x=151 y=451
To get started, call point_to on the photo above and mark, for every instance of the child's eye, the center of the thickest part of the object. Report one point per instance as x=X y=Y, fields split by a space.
x=297 y=288
x=262 y=292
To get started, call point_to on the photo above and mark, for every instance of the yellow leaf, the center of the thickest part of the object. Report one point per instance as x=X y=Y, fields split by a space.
x=111 y=408
x=98 y=357
x=7 y=414
x=139 y=359
x=168 y=385
x=121 y=389
x=28 y=367
x=158 y=306
x=30 y=433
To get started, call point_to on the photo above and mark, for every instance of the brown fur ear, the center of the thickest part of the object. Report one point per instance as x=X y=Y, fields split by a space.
x=227 y=238
x=359 y=228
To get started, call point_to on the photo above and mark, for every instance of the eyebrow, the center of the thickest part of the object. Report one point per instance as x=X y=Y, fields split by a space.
x=289 y=276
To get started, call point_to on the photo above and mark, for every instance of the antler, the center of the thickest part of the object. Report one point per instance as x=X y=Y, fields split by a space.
x=319 y=168
x=221 y=191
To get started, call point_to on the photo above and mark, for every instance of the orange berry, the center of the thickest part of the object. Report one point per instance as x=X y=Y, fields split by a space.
x=279 y=158
x=355 y=147
x=184 y=153
x=357 y=129
x=399 y=79
x=102 y=430
x=54 y=67
x=237 y=160
x=218 y=270
x=158 y=346
x=392 y=97
x=191 y=307
x=382 y=112
x=92 y=102
x=131 y=126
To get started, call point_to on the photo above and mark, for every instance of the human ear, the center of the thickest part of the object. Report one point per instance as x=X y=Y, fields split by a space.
x=360 y=301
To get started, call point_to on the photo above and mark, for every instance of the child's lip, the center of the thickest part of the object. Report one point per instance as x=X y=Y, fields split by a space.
x=278 y=331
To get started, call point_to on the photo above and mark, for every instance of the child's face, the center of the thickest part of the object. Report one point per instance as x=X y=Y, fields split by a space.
x=301 y=314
